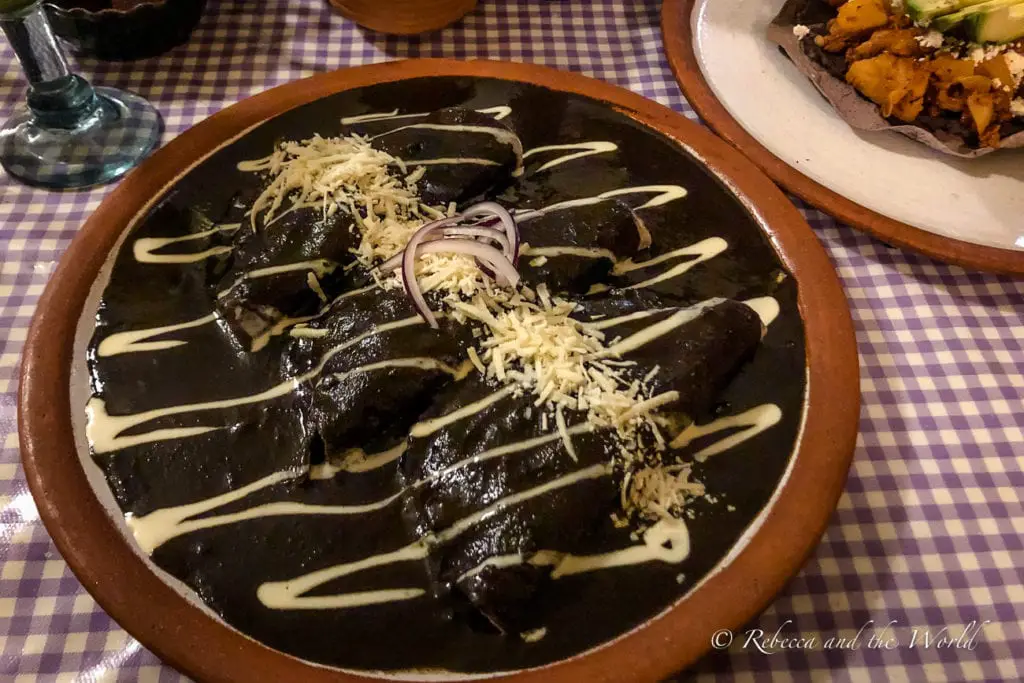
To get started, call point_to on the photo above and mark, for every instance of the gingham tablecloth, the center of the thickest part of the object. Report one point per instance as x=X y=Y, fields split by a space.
x=927 y=535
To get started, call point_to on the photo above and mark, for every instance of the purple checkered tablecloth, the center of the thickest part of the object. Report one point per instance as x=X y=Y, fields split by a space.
x=927 y=540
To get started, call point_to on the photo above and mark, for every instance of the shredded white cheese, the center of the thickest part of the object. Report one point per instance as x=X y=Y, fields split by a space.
x=800 y=31
x=524 y=338
x=347 y=174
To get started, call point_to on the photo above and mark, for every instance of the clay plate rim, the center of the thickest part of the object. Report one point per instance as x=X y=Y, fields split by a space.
x=677 y=34
x=197 y=644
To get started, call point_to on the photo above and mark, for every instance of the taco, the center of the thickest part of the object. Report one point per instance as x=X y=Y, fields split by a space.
x=948 y=73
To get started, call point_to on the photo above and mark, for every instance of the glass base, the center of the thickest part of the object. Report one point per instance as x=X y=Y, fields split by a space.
x=119 y=132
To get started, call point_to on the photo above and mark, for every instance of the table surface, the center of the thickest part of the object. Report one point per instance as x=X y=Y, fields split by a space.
x=927 y=536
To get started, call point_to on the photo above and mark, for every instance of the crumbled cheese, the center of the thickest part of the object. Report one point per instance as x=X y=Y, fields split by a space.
x=982 y=53
x=993 y=50
x=932 y=39
x=1015 y=61
x=662 y=490
x=1017 y=106
x=896 y=6
x=800 y=31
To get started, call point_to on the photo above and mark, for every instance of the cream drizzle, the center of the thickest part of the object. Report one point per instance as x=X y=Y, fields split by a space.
x=156 y=528
x=587 y=149
x=629 y=265
x=104 y=430
x=418 y=362
x=320 y=267
x=499 y=112
x=670 y=531
x=703 y=250
x=582 y=252
x=664 y=195
x=357 y=461
x=499 y=451
x=753 y=422
x=143 y=248
x=289 y=594
x=464 y=524
x=451 y=161
x=427 y=427
x=162 y=525
x=284 y=323
x=658 y=329
x=667 y=531
x=329 y=210
x=502 y=135
x=766 y=307
x=136 y=341
x=629 y=317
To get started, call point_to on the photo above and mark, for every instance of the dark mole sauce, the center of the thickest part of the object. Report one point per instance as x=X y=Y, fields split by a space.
x=225 y=565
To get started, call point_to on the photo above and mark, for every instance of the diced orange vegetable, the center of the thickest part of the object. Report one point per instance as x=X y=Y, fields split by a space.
x=947 y=69
x=858 y=16
x=997 y=68
x=896 y=84
x=982 y=107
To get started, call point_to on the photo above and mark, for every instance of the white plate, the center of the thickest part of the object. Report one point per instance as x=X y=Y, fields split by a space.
x=979 y=200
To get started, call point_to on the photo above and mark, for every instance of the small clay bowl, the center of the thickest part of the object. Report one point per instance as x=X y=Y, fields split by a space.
x=404 y=17
x=95 y=28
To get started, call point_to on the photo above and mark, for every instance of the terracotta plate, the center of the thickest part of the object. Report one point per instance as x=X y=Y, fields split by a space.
x=965 y=212
x=793 y=486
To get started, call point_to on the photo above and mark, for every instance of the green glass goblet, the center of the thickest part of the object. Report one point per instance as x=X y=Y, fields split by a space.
x=70 y=134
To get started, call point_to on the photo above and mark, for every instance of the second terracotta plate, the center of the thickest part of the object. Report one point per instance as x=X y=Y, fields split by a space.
x=965 y=212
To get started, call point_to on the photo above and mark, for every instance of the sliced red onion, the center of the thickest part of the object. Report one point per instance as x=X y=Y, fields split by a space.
x=412 y=289
x=392 y=263
x=461 y=231
x=446 y=236
x=487 y=233
x=412 y=286
x=485 y=270
x=496 y=209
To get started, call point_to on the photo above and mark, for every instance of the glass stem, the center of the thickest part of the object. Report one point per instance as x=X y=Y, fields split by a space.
x=57 y=97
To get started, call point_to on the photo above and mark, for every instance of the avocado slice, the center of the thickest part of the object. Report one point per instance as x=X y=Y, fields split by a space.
x=999 y=25
x=924 y=11
x=948 y=22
